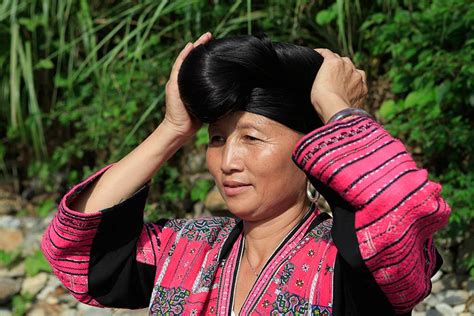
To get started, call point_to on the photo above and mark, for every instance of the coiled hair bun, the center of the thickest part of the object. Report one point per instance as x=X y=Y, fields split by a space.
x=251 y=73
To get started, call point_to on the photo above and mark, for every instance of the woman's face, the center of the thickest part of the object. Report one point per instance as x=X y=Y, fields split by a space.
x=249 y=156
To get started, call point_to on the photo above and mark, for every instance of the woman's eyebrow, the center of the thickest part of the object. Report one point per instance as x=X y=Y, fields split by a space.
x=250 y=125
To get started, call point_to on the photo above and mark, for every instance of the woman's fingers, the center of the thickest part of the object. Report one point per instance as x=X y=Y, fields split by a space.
x=179 y=60
x=348 y=61
x=184 y=53
x=363 y=75
x=203 y=38
x=326 y=53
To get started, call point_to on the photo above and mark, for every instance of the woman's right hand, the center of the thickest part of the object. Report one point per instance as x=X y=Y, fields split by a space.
x=177 y=117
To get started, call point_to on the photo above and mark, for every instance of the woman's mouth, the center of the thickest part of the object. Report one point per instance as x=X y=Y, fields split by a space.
x=232 y=188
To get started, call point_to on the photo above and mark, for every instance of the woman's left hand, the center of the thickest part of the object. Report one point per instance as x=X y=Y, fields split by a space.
x=338 y=85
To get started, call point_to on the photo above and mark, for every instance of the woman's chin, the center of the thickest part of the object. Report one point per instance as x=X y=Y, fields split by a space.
x=243 y=213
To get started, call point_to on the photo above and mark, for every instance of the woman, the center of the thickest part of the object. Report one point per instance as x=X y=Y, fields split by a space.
x=276 y=125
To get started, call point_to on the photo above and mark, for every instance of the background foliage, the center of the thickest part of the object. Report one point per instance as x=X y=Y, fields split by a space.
x=82 y=83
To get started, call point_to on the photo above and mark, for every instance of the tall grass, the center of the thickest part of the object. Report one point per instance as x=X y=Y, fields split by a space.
x=57 y=47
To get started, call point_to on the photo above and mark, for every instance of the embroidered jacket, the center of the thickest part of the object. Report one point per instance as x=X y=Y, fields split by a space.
x=375 y=257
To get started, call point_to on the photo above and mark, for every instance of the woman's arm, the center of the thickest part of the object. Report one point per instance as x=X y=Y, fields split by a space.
x=97 y=243
x=105 y=258
x=395 y=208
x=385 y=209
x=129 y=174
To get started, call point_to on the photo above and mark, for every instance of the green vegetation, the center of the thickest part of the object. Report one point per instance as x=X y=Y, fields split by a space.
x=35 y=264
x=21 y=303
x=7 y=258
x=82 y=82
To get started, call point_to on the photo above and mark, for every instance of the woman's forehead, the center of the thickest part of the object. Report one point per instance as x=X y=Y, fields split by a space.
x=243 y=119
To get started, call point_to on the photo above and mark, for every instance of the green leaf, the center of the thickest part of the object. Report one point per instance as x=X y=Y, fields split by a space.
x=421 y=97
x=388 y=109
x=200 y=189
x=325 y=17
x=44 y=64
x=202 y=136
x=45 y=208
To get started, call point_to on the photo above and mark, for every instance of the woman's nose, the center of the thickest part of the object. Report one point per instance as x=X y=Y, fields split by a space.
x=232 y=159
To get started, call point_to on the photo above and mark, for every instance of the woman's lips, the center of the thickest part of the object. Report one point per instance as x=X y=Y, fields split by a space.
x=234 y=190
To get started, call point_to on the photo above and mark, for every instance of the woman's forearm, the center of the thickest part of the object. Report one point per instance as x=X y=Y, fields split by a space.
x=130 y=173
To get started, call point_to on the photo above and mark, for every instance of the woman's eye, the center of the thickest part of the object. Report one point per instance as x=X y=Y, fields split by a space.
x=251 y=138
x=214 y=139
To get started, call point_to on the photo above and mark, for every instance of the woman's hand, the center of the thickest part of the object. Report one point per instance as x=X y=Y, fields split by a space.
x=338 y=85
x=177 y=117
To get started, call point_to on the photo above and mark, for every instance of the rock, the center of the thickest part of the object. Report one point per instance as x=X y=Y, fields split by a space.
x=128 y=312
x=195 y=162
x=68 y=312
x=414 y=313
x=10 y=238
x=51 y=288
x=459 y=308
x=36 y=311
x=445 y=309
x=420 y=308
x=10 y=222
x=43 y=308
x=31 y=245
x=68 y=299
x=8 y=288
x=214 y=201
x=470 y=286
x=431 y=300
x=9 y=205
x=52 y=300
x=455 y=297
x=86 y=310
x=433 y=312
x=450 y=281
x=15 y=272
x=437 y=287
x=5 y=312
x=33 y=285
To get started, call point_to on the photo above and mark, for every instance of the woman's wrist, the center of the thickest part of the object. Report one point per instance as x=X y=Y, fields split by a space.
x=328 y=105
x=348 y=113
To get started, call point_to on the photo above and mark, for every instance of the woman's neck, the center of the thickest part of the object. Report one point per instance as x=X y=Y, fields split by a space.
x=262 y=237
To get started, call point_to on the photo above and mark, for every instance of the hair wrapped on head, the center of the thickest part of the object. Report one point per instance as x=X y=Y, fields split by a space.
x=250 y=73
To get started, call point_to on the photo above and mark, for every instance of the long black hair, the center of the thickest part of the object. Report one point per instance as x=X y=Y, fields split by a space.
x=251 y=73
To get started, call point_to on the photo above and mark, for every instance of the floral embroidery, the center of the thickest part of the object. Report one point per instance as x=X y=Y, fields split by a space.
x=207 y=229
x=305 y=267
x=322 y=231
x=287 y=272
x=292 y=304
x=175 y=224
x=169 y=301
x=329 y=269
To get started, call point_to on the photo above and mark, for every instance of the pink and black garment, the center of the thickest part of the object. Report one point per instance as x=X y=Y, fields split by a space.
x=374 y=257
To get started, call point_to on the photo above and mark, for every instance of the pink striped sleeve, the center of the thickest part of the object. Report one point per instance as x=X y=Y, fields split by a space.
x=70 y=237
x=397 y=208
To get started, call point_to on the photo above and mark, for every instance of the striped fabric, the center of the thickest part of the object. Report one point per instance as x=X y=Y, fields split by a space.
x=398 y=208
